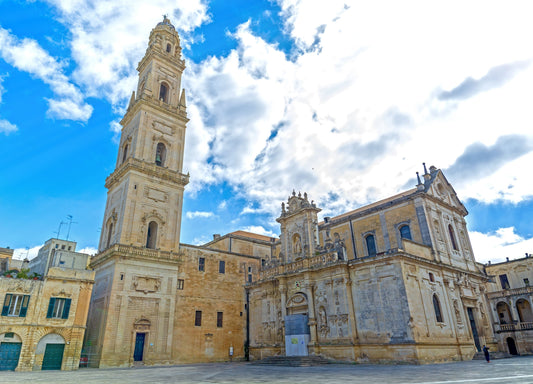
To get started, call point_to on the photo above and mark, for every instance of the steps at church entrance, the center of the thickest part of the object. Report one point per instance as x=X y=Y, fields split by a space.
x=293 y=361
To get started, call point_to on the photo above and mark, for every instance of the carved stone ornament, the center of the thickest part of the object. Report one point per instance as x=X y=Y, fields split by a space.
x=142 y=324
x=146 y=284
x=297 y=300
x=61 y=293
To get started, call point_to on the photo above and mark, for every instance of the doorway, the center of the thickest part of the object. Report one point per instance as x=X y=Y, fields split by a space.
x=512 y=346
x=9 y=356
x=139 y=347
x=53 y=356
x=475 y=335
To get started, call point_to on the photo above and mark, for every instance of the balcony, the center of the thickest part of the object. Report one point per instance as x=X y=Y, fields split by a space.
x=518 y=326
x=510 y=292
x=302 y=264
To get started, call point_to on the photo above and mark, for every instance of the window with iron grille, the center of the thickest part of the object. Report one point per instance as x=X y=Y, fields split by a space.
x=198 y=318
x=220 y=316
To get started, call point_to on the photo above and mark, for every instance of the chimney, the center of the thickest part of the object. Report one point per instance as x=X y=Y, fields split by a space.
x=507 y=258
x=216 y=236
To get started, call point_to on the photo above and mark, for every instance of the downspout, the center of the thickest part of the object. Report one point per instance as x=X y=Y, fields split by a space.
x=247 y=341
x=353 y=240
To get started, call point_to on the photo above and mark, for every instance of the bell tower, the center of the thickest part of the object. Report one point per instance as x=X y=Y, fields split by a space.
x=145 y=191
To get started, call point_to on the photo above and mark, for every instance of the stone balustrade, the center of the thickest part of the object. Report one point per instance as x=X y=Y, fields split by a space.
x=130 y=250
x=518 y=326
x=299 y=265
x=510 y=292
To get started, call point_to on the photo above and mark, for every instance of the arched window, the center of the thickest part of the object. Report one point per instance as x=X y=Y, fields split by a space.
x=109 y=234
x=452 y=237
x=125 y=153
x=169 y=47
x=371 y=245
x=151 y=237
x=163 y=93
x=405 y=232
x=160 y=154
x=436 y=305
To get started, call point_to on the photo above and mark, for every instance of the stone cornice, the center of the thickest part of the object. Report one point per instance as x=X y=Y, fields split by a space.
x=132 y=164
x=154 y=53
x=160 y=107
x=136 y=253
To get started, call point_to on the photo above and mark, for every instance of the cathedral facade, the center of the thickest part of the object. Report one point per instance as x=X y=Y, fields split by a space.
x=393 y=281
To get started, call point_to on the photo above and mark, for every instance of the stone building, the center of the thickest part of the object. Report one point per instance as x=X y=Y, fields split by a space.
x=395 y=280
x=510 y=294
x=157 y=301
x=42 y=324
x=392 y=281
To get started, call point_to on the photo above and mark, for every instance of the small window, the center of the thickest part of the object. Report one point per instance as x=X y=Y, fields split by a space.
x=371 y=245
x=436 y=305
x=452 y=237
x=9 y=335
x=405 y=232
x=160 y=154
x=221 y=266
x=201 y=264
x=58 y=308
x=125 y=153
x=63 y=247
x=109 y=234
x=526 y=282
x=57 y=246
x=250 y=275
x=198 y=318
x=431 y=277
x=151 y=236
x=163 y=93
x=169 y=48
x=504 y=282
x=181 y=282
x=69 y=248
x=263 y=262
x=15 y=305
x=121 y=276
x=220 y=316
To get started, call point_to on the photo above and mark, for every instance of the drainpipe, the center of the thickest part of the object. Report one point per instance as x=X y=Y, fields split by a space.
x=247 y=341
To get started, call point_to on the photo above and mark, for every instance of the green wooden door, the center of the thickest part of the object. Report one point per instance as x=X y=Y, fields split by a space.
x=53 y=356
x=9 y=356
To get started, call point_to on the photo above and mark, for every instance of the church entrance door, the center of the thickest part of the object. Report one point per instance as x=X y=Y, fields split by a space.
x=474 y=328
x=296 y=335
x=139 y=347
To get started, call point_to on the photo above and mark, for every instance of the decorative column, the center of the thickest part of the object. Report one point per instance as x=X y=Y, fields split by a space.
x=349 y=294
x=310 y=287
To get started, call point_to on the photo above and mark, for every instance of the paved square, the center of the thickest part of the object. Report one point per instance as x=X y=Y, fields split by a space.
x=515 y=370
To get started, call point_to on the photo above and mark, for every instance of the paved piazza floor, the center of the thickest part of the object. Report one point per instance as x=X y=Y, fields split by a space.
x=515 y=370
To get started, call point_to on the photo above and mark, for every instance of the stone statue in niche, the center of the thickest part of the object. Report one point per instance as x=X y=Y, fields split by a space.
x=457 y=312
x=297 y=244
x=340 y=247
x=323 y=328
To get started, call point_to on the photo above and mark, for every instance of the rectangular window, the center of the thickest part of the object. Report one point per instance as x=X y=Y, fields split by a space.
x=526 y=282
x=181 y=282
x=201 y=264
x=504 y=282
x=250 y=274
x=220 y=316
x=198 y=318
x=58 y=308
x=15 y=305
x=221 y=266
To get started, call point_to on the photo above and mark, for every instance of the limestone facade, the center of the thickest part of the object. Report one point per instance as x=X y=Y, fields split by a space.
x=157 y=301
x=392 y=281
x=44 y=313
x=510 y=294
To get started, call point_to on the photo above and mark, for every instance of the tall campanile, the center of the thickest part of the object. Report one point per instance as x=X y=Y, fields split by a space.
x=145 y=191
x=133 y=307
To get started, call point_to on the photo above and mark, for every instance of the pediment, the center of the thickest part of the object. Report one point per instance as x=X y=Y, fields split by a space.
x=441 y=189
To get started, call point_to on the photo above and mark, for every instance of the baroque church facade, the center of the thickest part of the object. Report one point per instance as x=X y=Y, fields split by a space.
x=392 y=281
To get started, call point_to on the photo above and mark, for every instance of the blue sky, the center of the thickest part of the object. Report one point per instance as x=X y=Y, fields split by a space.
x=344 y=102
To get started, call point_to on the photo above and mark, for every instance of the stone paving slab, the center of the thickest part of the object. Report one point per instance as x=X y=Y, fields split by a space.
x=516 y=370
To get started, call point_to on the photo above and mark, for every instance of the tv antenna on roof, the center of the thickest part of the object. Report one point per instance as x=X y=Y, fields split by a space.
x=59 y=229
x=70 y=222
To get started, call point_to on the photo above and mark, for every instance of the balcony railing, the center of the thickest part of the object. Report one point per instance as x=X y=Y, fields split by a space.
x=518 y=326
x=298 y=265
x=510 y=292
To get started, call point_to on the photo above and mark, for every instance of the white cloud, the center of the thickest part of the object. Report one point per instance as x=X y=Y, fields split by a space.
x=108 y=39
x=88 y=250
x=6 y=127
x=28 y=56
x=29 y=253
x=353 y=113
x=500 y=244
x=260 y=230
x=195 y=214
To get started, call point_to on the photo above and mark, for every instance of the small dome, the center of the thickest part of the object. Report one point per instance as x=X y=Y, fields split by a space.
x=165 y=21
